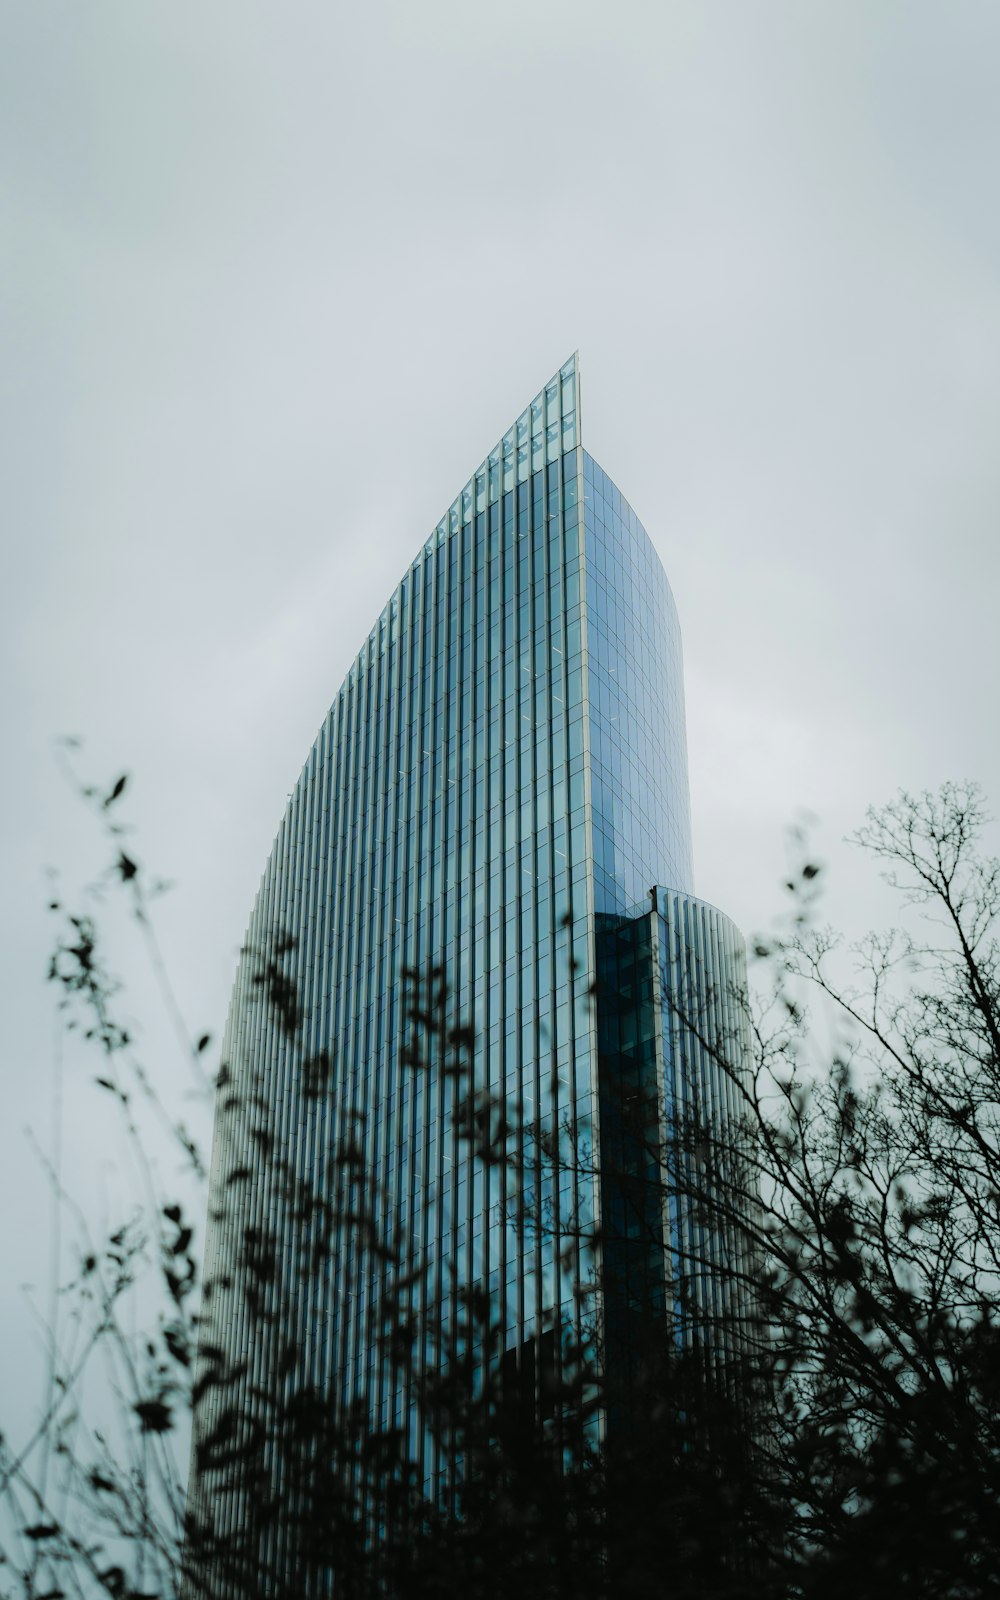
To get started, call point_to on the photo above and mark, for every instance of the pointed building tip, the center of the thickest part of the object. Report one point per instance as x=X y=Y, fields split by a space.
x=546 y=430
x=569 y=378
x=569 y=369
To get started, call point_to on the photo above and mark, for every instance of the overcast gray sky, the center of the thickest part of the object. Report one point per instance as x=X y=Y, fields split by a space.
x=275 y=277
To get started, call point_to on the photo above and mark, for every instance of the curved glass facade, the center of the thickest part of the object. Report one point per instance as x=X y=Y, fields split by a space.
x=641 y=830
x=502 y=769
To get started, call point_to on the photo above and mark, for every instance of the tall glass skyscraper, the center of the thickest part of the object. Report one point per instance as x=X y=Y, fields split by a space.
x=499 y=788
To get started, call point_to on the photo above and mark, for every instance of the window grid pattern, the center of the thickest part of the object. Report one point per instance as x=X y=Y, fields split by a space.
x=704 y=1044
x=638 y=748
x=441 y=817
x=502 y=771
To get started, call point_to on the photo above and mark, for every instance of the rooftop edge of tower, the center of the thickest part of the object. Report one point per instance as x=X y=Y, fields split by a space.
x=542 y=434
x=545 y=430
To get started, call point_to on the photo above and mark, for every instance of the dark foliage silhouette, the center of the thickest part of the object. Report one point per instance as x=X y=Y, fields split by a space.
x=843 y=1434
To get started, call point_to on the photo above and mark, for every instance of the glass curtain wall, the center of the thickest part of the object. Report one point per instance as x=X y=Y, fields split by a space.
x=442 y=817
x=502 y=771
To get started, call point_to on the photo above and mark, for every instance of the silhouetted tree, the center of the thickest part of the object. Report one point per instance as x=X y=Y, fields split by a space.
x=846 y=1437
x=876 y=1187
